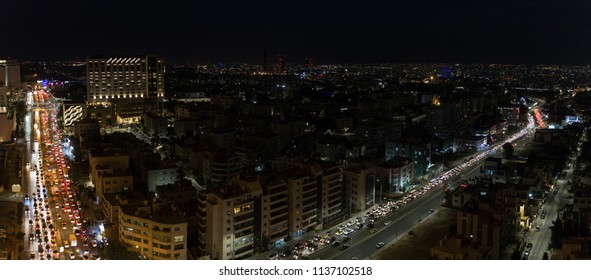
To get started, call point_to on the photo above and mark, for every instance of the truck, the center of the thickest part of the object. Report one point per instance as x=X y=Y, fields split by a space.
x=73 y=240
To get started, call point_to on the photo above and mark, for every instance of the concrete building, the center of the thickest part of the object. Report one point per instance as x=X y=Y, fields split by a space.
x=444 y=120
x=227 y=220
x=152 y=230
x=159 y=173
x=7 y=126
x=482 y=231
x=371 y=133
x=251 y=155
x=332 y=197
x=223 y=138
x=470 y=143
x=111 y=181
x=274 y=209
x=417 y=150
x=219 y=166
x=360 y=182
x=107 y=161
x=285 y=160
x=510 y=114
x=303 y=201
x=155 y=125
x=331 y=148
x=394 y=175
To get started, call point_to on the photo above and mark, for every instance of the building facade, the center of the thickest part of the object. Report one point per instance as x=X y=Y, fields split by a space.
x=133 y=83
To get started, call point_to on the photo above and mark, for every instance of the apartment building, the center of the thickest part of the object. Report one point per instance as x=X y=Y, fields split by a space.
x=154 y=231
x=227 y=220
x=303 y=201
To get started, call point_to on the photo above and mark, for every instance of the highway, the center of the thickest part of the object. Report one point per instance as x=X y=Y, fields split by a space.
x=363 y=243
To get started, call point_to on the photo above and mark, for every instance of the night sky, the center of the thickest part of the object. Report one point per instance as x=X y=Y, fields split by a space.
x=512 y=31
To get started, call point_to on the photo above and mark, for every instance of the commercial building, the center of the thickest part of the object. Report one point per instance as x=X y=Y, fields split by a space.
x=10 y=73
x=133 y=83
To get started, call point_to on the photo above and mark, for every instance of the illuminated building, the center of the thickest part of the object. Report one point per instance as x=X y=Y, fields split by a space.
x=10 y=73
x=133 y=83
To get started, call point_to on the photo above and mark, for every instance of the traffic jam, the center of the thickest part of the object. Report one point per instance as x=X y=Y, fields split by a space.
x=56 y=210
x=341 y=235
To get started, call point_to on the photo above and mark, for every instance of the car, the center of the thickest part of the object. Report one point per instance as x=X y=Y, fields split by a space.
x=370 y=225
x=543 y=212
x=537 y=228
x=94 y=244
x=71 y=255
x=66 y=244
x=388 y=222
x=380 y=245
x=543 y=216
x=336 y=244
x=273 y=256
x=331 y=239
x=32 y=256
x=529 y=246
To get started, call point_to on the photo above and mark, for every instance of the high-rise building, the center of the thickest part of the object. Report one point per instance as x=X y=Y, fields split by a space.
x=265 y=60
x=280 y=63
x=133 y=83
x=10 y=79
x=10 y=73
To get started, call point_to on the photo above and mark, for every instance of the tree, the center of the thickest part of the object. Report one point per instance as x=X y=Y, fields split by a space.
x=117 y=251
x=508 y=150
x=545 y=257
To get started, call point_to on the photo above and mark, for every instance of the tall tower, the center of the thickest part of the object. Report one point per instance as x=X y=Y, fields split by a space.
x=280 y=63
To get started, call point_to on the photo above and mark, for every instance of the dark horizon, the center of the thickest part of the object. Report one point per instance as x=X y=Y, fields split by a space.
x=529 y=32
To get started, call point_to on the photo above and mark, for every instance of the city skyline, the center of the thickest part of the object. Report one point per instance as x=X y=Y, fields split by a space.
x=528 y=32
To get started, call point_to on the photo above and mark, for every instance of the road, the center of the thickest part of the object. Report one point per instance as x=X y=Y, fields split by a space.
x=541 y=239
x=363 y=243
x=54 y=202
